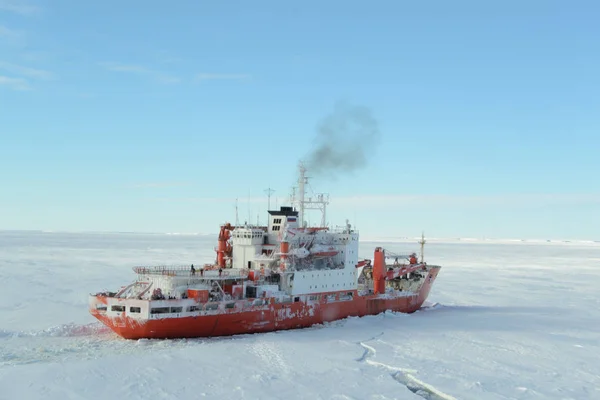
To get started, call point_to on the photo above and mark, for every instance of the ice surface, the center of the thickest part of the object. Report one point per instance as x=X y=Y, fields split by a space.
x=506 y=320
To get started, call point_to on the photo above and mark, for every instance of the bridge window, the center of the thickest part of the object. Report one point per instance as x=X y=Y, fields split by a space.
x=135 y=310
x=117 y=308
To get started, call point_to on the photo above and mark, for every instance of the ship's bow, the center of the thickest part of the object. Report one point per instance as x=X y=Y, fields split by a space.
x=432 y=273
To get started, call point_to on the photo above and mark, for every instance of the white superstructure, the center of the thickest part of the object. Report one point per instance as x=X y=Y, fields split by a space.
x=306 y=259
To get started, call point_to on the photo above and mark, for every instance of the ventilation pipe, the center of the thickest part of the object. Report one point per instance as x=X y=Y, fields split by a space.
x=379 y=271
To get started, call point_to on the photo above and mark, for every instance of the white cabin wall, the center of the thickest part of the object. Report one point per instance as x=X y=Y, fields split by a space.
x=277 y=223
x=247 y=242
x=330 y=280
x=244 y=253
x=251 y=253
x=239 y=256
x=306 y=282
x=273 y=238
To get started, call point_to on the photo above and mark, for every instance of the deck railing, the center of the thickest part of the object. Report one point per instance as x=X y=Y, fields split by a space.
x=185 y=271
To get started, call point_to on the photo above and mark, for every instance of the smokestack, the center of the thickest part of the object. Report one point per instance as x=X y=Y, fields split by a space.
x=344 y=139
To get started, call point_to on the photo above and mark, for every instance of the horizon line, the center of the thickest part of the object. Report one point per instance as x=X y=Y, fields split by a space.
x=368 y=239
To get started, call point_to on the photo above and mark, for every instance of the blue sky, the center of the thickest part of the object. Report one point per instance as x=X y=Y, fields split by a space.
x=154 y=117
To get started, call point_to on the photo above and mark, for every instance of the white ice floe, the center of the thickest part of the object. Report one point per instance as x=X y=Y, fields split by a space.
x=507 y=320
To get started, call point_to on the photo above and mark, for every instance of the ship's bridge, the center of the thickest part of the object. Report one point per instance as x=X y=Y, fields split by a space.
x=285 y=216
x=247 y=236
x=248 y=241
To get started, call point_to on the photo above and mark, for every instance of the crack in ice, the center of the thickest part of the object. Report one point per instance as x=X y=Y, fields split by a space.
x=402 y=375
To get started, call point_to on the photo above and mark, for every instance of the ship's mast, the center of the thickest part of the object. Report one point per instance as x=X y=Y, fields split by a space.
x=301 y=190
x=318 y=203
x=269 y=192
x=293 y=195
x=422 y=243
x=237 y=220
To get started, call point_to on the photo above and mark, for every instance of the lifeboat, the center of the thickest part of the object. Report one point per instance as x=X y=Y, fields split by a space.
x=300 y=252
x=320 y=251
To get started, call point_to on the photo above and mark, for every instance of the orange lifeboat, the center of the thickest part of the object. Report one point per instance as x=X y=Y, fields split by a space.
x=323 y=251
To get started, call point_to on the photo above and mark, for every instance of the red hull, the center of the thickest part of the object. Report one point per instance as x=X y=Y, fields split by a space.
x=266 y=318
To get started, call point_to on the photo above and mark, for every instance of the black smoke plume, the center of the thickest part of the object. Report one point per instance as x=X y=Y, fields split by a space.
x=345 y=140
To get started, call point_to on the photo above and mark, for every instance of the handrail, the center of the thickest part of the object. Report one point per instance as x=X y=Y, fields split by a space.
x=124 y=289
x=186 y=271
x=145 y=290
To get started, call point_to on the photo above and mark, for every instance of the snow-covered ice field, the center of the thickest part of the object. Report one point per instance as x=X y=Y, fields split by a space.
x=513 y=320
